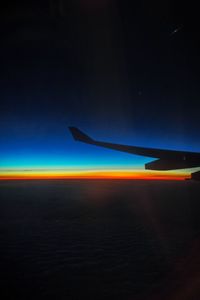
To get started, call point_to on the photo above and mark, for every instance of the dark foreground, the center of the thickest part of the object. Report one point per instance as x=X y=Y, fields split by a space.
x=99 y=240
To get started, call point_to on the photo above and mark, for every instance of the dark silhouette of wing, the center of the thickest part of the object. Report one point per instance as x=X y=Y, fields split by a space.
x=165 y=159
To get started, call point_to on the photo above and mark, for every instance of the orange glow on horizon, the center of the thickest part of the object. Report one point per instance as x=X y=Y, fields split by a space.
x=91 y=174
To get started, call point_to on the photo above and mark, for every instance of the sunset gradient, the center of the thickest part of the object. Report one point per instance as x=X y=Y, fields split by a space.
x=28 y=174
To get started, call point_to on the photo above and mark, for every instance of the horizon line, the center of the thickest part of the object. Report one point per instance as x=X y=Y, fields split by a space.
x=92 y=174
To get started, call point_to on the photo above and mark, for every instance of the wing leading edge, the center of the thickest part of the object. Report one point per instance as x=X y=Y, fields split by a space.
x=165 y=159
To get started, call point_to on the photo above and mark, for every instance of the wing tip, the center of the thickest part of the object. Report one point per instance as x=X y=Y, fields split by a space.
x=80 y=136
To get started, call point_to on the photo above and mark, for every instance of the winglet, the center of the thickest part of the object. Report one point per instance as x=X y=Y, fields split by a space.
x=80 y=136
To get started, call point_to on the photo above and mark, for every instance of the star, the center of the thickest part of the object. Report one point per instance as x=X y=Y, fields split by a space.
x=176 y=30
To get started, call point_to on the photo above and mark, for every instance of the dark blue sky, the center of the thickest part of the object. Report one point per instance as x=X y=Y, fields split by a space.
x=113 y=68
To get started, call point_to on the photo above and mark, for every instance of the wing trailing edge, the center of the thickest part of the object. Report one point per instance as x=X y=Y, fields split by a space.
x=173 y=164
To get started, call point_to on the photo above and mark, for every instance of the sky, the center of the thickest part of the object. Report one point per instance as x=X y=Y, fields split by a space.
x=122 y=71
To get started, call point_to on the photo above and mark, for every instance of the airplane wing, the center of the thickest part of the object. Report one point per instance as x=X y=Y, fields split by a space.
x=165 y=159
